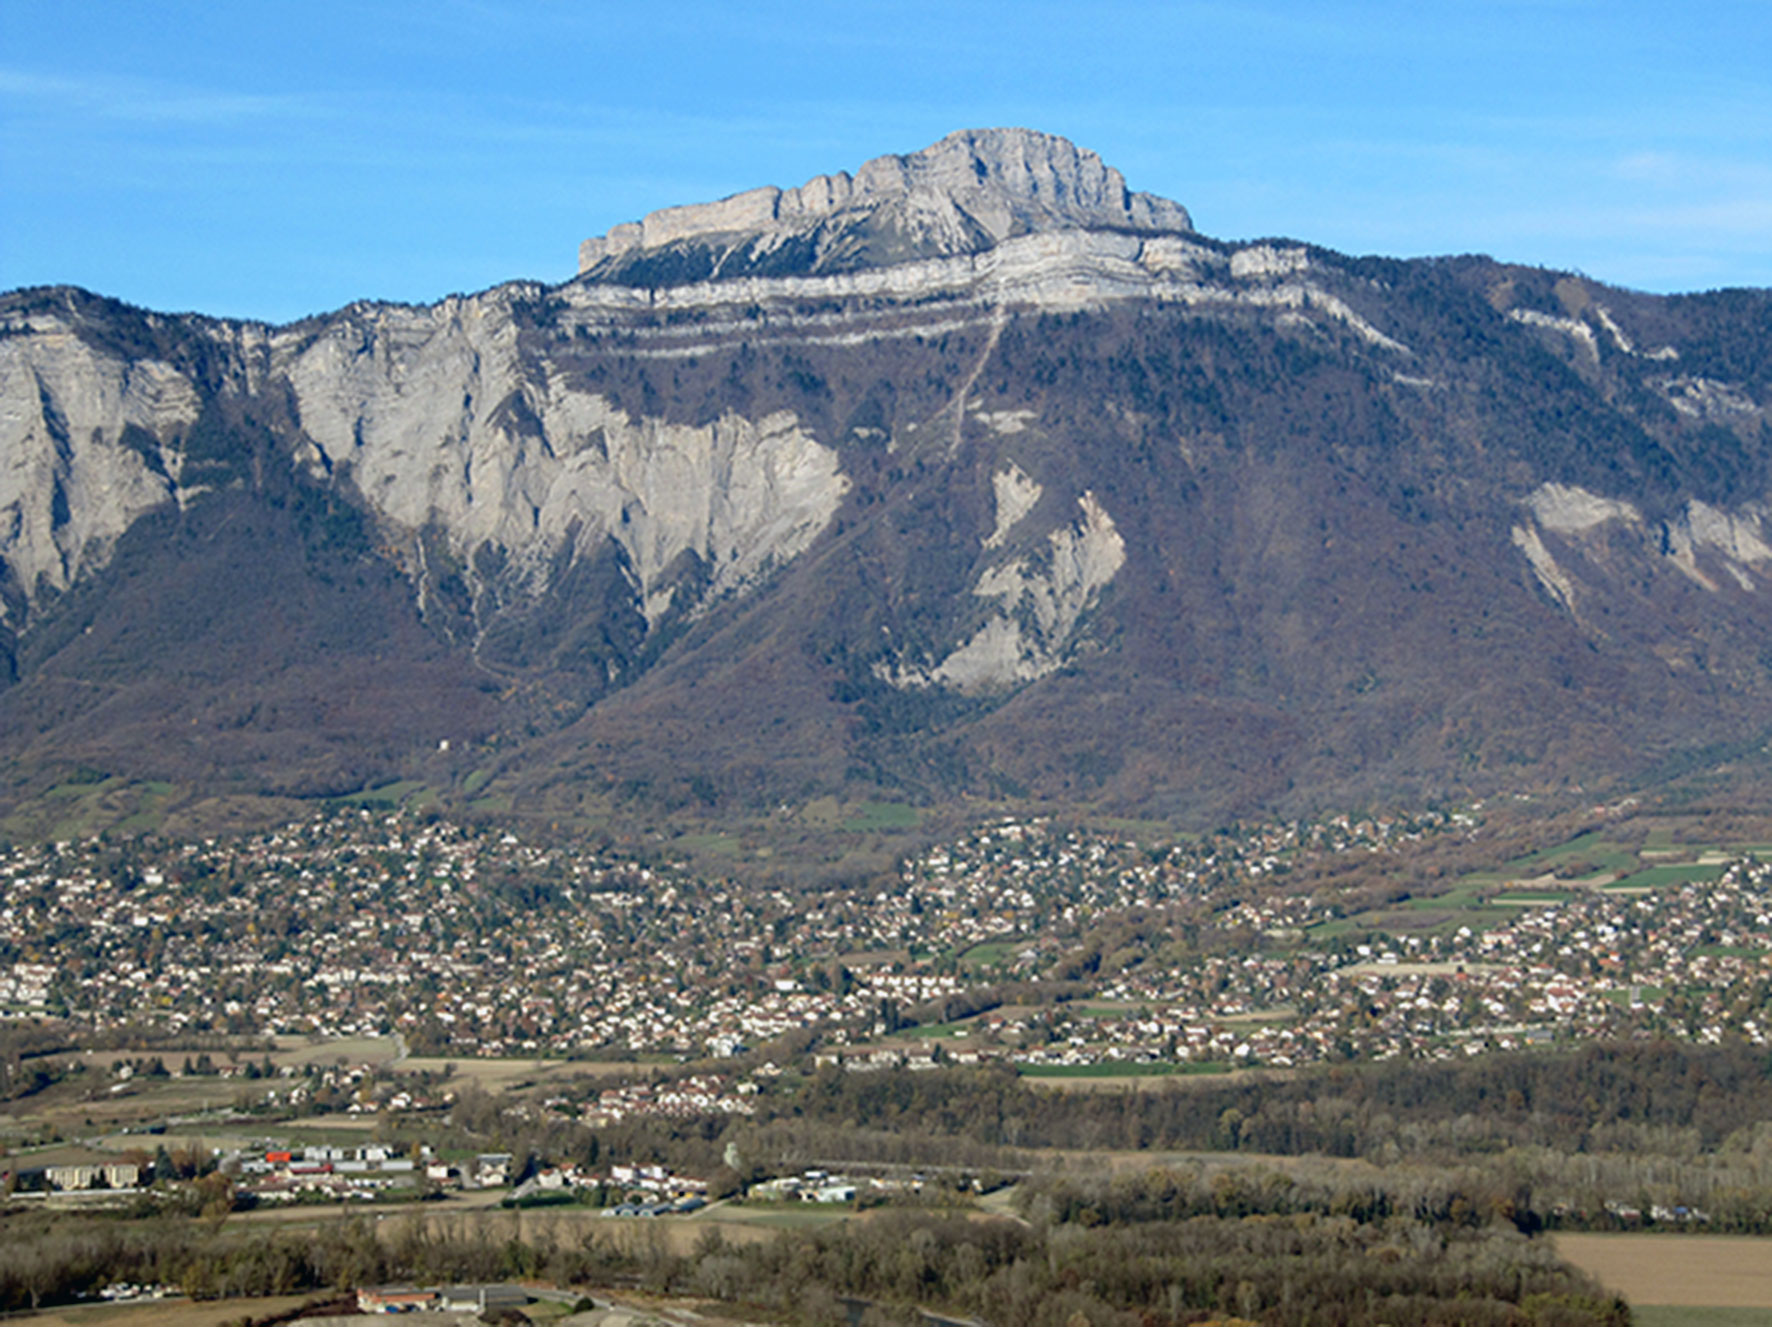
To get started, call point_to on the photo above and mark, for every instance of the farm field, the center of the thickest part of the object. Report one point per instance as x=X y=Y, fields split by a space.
x=1686 y=1315
x=168 y=1312
x=1496 y=896
x=1115 y=1078
x=116 y=1121
x=1679 y=1271
x=499 y=1075
x=346 y=1050
x=69 y=1110
x=1117 y=1071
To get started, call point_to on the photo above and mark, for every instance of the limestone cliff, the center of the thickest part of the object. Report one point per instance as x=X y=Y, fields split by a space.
x=89 y=441
x=444 y=426
x=966 y=194
x=973 y=471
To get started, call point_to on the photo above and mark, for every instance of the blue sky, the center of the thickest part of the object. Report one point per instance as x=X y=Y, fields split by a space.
x=271 y=159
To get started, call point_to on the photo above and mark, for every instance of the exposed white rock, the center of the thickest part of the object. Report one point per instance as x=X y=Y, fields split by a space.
x=1016 y=495
x=1003 y=421
x=1683 y=553
x=1567 y=509
x=740 y=495
x=1740 y=536
x=1304 y=295
x=1001 y=182
x=69 y=484
x=1613 y=330
x=1572 y=327
x=1039 y=609
x=1624 y=342
x=1731 y=541
x=438 y=421
x=434 y=420
x=1574 y=514
x=1706 y=398
x=1554 y=579
x=998 y=655
x=1177 y=256
x=1260 y=260
x=1054 y=271
x=1734 y=541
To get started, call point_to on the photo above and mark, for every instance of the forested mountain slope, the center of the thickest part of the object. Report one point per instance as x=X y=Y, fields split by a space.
x=972 y=473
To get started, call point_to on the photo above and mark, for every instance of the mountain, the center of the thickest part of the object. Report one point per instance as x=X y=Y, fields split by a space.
x=971 y=474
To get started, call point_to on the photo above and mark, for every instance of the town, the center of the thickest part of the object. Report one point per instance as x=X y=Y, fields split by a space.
x=1051 y=948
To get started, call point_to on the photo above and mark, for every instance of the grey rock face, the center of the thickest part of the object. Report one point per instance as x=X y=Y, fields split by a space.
x=443 y=426
x=449 y=435
x=88 y=443
x=1038 y=609
x=965 y=194
x=971 y=459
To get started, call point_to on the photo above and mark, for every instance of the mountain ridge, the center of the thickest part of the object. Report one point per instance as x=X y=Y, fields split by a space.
x=963 y=195
x=1087 y=513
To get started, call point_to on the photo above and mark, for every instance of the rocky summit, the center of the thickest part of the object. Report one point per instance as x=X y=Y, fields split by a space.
x=966 y=194
x=973 y=473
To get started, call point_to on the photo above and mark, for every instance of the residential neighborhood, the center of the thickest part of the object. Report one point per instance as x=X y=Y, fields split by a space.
x=1048 y=947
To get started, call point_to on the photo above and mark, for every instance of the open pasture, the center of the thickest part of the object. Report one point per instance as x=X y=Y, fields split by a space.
x=79 y=1107
x=1131 y=1076
x=1678 y=1271
x=173 y=1057
x=500 y=1075
x=168 y=1312
x=338 y=1050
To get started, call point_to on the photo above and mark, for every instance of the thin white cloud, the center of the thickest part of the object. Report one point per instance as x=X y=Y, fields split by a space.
x=134 y=99
x=1689 y=171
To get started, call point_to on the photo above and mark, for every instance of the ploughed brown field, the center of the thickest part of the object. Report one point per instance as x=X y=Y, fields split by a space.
x=168 y=1313
x=1699 y=1271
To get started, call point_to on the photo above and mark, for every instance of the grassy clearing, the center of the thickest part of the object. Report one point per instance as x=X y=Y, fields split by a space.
x=1277 y=1016
x=1412 y=968
x=498 y=1075
x=1103 y=1008
x=1650 y=994
x=1654 y=877
x=67 y=1110
x=1122 y=1069
x=169 y=1313
x=1468 y=893
x=322 y=1128
x=1144 y=831
x=1693 y=1315
x=78 y=807
x=1480 y=902
x=1442 y=921
x=874 y=816
x=709 y=845
x=920 y=1032
x=992 y=953
x=1593 y=847
x=1679 y=1271
x=347 y=1050
x=786 y=1216
x=388 y=794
